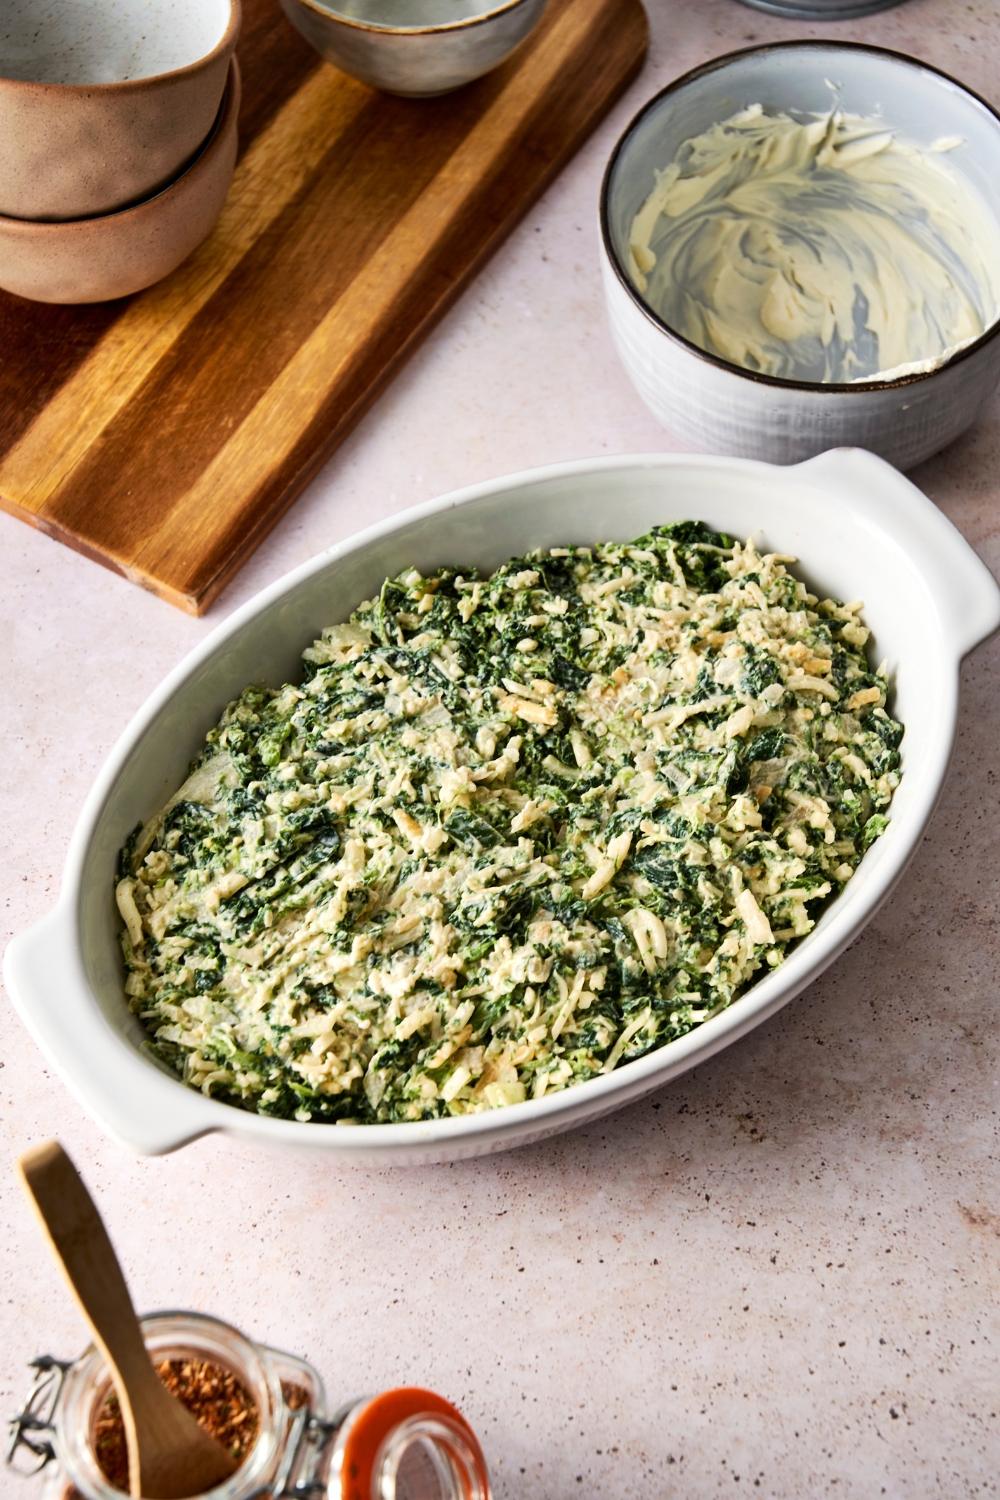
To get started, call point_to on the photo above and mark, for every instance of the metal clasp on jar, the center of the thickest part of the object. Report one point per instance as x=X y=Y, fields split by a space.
x=406 y=1444
x=31 y=1431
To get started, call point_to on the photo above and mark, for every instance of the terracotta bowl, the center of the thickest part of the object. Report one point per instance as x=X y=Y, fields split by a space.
x=102 y=103
x=93 y=260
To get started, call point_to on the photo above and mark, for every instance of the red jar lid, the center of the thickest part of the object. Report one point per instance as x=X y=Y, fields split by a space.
x=374 y=1423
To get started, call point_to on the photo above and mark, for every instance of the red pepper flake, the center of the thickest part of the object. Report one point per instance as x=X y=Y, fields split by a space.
x=213 y=1395
x=111 y=1450
x=294 y=1395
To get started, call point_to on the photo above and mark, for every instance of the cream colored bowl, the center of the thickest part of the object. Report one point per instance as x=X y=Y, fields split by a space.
x=103 y=102
x=860 y=529
x=93 y=260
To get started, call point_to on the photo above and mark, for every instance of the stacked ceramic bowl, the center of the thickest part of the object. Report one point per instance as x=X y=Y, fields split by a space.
x=118 y=119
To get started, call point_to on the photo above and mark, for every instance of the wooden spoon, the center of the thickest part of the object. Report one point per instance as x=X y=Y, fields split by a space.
x=169 y=1455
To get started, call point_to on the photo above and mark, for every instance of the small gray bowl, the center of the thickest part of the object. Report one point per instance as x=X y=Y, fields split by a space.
x=822 y=10
x=722 y=407
x=415 y=48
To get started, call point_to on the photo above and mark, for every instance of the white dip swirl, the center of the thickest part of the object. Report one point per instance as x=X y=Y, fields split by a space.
x=826 y=249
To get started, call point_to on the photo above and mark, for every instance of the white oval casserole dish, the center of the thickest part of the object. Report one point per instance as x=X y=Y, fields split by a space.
x=858 y=526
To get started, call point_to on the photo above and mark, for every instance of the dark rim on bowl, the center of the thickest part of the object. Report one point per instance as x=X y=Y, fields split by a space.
x=724 y=364
x=233 y=78
x=465 y=24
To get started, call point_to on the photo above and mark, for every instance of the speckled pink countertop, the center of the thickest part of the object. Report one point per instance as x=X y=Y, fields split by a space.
x=779 y=1276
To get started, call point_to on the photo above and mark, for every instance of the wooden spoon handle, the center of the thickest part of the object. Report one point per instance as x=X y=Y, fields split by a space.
x=169 y=1454
x=79 y=1241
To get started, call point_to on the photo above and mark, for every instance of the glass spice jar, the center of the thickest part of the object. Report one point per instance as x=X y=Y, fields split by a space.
x=406 y=1444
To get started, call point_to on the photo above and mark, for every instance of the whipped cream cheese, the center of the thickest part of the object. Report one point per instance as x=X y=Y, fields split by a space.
x=820 y=249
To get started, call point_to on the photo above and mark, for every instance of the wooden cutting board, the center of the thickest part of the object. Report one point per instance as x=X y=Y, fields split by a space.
x=164 y=434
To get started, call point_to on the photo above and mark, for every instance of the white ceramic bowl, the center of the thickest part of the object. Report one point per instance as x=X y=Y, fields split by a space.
x=719 y=406
x=415 y=48
x=860 y=530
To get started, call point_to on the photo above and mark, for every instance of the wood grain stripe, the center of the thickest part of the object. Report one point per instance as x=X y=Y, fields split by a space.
x=277 y=167
x=165 y=434
x=323 y=360
x=228 y=356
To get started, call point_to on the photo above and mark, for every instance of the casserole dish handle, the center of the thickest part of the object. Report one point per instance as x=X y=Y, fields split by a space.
x=964 y=592
x=142 y=1107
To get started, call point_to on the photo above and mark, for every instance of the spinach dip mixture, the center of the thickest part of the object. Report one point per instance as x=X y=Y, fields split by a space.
x=508 y=832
